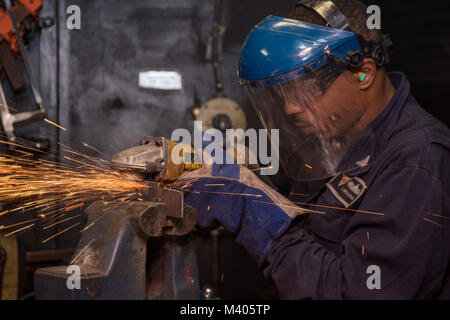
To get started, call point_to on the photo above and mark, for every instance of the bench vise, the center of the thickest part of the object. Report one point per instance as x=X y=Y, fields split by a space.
x=130 y=250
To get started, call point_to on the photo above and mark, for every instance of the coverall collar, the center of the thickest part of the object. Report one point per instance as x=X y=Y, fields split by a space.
x=383 y=126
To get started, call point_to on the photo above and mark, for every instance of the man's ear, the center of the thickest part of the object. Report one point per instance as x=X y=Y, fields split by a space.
x=366 y=74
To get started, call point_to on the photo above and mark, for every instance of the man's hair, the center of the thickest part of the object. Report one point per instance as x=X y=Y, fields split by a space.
x=355 y=12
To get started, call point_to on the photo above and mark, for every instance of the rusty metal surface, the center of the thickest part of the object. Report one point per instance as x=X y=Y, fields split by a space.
x=37 y=256
x=113 y=249
x=111 y=255
x=173 y=199
x=182 y=226
x=153 y=220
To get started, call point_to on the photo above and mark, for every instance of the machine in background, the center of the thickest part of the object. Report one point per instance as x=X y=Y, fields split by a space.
x=19 y=23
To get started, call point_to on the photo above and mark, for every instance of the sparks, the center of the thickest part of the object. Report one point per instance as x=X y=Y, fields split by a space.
x=51 y=188
x=17 y=224
x=61 y=232
x=292 y=207
x=299 y=194
x=433 y=214
x=18 y=230
x=435 y=223
x=56 y=125
x=339 y=208
x=236 y=194
x=96 y=150
x=81 y=251
x=59 y=222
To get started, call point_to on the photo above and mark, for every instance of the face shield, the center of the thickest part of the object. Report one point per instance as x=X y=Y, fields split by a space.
x=288 y=76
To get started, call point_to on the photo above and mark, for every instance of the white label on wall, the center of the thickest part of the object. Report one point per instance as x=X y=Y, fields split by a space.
x=161 y=80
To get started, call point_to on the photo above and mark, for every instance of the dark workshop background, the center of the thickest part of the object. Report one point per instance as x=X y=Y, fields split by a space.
x=89 y=81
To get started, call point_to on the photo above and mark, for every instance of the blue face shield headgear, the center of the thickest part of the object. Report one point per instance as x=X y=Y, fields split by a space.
x=287 y=68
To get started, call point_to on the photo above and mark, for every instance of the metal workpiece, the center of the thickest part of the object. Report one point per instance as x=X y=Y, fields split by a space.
x=180 y=218
x=173 y=199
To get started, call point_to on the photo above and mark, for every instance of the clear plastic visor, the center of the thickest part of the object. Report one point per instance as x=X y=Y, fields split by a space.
x=317 y=137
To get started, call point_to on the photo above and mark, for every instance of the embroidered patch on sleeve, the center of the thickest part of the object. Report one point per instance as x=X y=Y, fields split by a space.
x=346 y=189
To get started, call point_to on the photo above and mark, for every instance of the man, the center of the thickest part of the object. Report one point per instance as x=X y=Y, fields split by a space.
x=368 y=208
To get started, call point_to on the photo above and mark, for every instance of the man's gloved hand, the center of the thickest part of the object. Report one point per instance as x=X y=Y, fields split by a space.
x=234 y=197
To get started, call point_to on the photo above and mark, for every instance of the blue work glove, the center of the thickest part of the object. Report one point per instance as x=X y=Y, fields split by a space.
x=234 y=197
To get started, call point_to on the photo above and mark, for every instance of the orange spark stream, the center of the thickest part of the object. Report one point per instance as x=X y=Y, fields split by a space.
x=51 y=187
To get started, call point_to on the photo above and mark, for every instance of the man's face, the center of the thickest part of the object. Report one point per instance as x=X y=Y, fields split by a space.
x=330 y=114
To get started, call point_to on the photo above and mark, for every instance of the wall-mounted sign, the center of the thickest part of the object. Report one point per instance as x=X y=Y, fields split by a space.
x=160 y=80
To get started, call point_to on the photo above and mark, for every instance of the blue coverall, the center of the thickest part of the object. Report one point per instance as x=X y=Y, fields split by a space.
x=402 y=224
